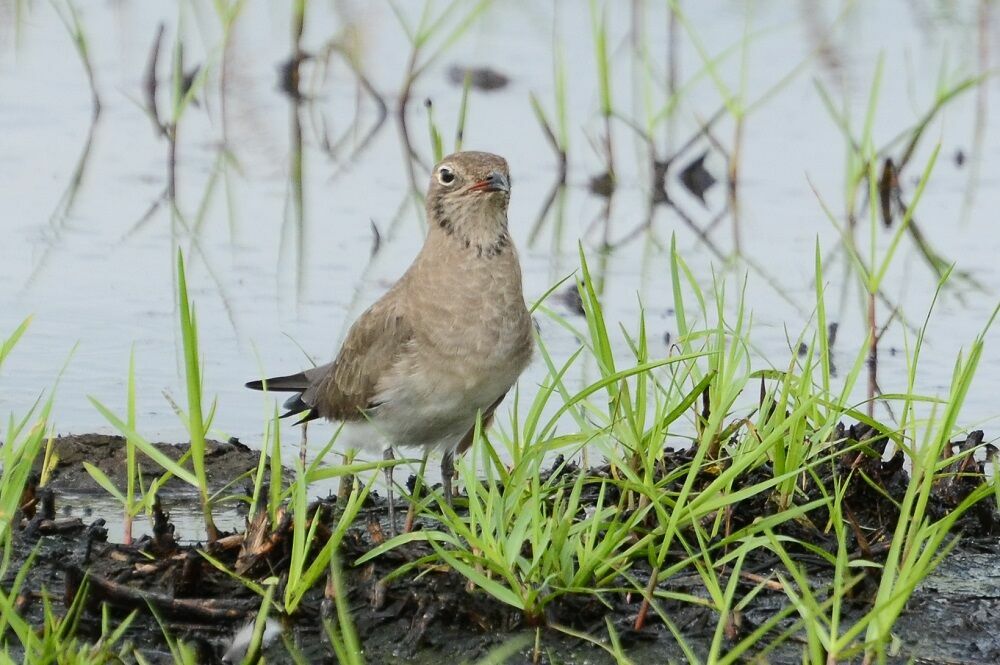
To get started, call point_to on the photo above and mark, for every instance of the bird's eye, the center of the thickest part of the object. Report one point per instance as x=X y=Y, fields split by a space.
x=445 y=175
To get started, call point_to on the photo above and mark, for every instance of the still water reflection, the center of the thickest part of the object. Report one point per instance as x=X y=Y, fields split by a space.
x=291 y=167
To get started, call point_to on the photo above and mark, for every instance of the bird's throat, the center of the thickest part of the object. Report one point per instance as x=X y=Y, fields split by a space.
x=481 y=230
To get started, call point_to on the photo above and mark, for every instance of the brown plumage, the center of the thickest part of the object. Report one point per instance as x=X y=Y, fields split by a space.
x=447 y=341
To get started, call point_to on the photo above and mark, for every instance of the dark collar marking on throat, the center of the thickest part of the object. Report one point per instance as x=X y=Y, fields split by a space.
x=496 y=248
x=442 y=219
x=488 y=250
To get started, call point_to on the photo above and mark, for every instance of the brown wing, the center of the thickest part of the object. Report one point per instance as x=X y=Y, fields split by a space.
x=373 y=345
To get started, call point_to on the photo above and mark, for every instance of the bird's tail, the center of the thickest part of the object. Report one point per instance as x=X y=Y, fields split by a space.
x=295 y=405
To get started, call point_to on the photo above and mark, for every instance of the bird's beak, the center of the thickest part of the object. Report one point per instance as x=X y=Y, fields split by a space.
x=494 y=182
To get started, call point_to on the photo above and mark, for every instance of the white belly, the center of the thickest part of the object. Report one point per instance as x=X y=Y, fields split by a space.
x=435 y=408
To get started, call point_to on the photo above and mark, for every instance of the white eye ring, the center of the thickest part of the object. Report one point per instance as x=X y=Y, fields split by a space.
x=445 y=176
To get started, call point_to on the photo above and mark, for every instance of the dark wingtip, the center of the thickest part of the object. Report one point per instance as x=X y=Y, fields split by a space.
x=295 y=404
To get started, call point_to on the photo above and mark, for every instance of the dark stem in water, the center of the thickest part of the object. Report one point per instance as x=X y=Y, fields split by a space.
x=171 y=132
x=733 y=184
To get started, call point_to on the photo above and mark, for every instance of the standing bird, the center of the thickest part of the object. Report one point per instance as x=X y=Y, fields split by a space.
x=445 y=343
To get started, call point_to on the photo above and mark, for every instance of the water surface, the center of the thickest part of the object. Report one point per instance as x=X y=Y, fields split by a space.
x=280 y=264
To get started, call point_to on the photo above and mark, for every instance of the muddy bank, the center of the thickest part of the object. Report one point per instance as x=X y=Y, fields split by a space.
x=949 y=619
x=224 y=462
x=430 y=613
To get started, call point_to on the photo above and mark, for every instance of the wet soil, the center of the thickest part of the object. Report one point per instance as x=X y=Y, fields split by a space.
x=432 y=615
x=225 y=461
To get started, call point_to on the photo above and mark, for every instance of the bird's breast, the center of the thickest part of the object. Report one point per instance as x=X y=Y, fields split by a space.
x=472 y=331
x=468 y=304
x=471 y=339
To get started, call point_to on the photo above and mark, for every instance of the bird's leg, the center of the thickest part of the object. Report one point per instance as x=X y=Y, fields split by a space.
x=418 y=486
x=302 y=444
x=387 y=455
x=447 y=472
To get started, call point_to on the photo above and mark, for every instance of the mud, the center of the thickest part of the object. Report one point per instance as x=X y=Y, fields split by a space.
x=430 y=616
x=224 y=462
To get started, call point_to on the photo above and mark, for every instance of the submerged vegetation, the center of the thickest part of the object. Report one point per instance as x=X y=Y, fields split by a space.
x=640 y=502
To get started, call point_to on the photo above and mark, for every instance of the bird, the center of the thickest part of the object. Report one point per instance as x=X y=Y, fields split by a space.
x=444 y=345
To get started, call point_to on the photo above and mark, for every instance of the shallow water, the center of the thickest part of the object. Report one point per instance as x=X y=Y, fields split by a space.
x=184 y=513
x=86 y=250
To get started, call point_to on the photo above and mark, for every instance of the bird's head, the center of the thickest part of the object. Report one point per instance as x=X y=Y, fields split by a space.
x=468 y=186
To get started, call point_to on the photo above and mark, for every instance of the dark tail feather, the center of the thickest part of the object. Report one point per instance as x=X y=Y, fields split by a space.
x=312 y=415
x=293 y=383
x=296 y=405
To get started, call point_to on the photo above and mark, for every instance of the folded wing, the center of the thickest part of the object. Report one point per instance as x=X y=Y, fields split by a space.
x=343 y=389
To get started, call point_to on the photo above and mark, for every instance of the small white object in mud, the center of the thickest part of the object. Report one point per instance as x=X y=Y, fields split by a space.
x=241 y=640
